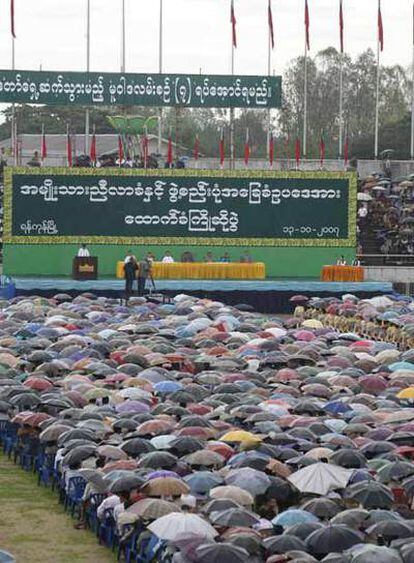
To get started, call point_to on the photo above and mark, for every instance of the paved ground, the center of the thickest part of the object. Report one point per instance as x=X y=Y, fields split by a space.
x=34 y=527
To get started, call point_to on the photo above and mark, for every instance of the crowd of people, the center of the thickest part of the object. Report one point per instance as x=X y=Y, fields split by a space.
x=386 y=215
x=193 y=432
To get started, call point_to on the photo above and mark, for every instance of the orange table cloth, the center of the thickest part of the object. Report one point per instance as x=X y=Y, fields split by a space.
x=342 y=274
x=204 y=271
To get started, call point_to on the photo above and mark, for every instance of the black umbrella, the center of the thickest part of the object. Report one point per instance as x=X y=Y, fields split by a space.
x=371 y=494
x=220 y=504
x=250 y=543
x=77 y=434
x=348 y=458
x=279 y=489
x=126 y=483
x=322 y=507
x=158 y=460
x=334 y=538
x=124 y=424
x=234 y=517
x=137 y=446
x=220 y=553
x=391 y=529
x=304 y=529
x=78 y=454
x=186 y=445
x=284 y=543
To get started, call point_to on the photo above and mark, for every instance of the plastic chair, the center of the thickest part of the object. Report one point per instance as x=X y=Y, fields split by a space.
x=74 y=495
x=45 y=471
x=106 y=530
x=91 y=512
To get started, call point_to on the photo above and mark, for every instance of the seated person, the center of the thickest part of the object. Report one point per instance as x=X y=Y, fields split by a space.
x=356 y=261
x=225 y=257
x=187 y=256
x=167 y=259
x=150 y=257
x=341 y=261
x=208 y=257
x=83 y=252
x=246 y=258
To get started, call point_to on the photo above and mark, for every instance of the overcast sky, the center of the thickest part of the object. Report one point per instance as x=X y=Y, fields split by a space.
x=52 y=33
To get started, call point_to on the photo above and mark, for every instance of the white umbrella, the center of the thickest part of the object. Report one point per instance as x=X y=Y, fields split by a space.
x=363 y=197
x=170 y=526
x=320 y=478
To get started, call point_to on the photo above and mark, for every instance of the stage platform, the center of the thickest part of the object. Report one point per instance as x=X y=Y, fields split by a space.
x=269 y=296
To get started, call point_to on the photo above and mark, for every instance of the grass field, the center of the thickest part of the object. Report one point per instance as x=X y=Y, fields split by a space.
x=34 y=526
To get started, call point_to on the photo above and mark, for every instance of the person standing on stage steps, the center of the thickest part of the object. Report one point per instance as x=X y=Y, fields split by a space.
x=144 y=272
x=130 y=270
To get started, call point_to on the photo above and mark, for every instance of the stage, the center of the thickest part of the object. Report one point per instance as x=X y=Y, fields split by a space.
x=268 y=296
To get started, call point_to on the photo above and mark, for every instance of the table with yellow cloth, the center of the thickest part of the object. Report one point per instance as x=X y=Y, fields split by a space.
x=203 y=271
x=342 y=274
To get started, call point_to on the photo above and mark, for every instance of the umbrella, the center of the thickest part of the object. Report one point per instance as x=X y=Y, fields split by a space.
x=78 y=454
x=205 y=458
x=234 y=517
x=294 y=516
x=233 y=493
x=334 y=538
x=377 y=553
x=158 y=460
x=240 y=436
x=221 y=553
x=320 y=478
x=322 y=507
x=126 y=483
x=52 y=433
x=172 y=525
x=371 y=495
x=284 y=543
x=251 y=480
x=352 y=517
x=151 y=508
x=165 y=487
x=202 y=482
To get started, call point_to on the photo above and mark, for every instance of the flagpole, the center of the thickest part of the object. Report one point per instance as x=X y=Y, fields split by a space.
x=305 y=107
x=13 y=124
x=377 y=92
x=269 y=70
x=123 y=38
x=412 y=100
x=160 y=69
x=232 y=163
x=341 y=103
x=88 y=58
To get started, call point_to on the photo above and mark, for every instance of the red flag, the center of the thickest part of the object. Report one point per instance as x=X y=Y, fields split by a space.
x=307 y=24
x=380 y=27
x=271 y=28
x=297 y=151
x=341 y=25
x=271 y=150
x=196 y=148
x=322 y=148
x=93 y=149
x=221 y=148
x=13 y=32
x=43 y=147
x=69 y=148
x=246 y=149
x=346 y=151
x=233 y=22
x=170 y=152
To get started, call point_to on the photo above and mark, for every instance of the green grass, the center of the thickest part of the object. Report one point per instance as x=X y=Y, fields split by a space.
x=34 y=526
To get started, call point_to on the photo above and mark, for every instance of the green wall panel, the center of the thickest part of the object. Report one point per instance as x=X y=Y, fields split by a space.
x=56 y=260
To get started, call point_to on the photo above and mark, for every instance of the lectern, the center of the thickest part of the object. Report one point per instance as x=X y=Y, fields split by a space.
x=85 y=268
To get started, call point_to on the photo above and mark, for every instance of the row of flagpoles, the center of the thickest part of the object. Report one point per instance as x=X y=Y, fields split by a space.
x=123 y=154
x=272 y=44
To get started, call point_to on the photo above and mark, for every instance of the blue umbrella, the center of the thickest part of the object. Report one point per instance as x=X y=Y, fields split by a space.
x=294 y=516
x=202 y=481
x=337 y=407
x=167 y=386
x=401 y=365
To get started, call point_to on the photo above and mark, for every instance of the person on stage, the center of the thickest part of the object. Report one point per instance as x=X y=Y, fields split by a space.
x=167 y=259
x=144 y=272
x=128 y=256
x=83 y=252
x=130 y=270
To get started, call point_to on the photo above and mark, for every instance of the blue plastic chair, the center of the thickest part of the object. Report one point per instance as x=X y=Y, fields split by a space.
x=45 y=469
x=91 y=512
x=106 y=530
x=74 y=494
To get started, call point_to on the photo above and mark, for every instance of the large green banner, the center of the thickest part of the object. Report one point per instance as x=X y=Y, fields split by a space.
x=110 y=89
x=62 y=205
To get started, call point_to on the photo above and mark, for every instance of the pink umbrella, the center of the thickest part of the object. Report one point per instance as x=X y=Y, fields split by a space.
x=304 y=335
x=133 y=407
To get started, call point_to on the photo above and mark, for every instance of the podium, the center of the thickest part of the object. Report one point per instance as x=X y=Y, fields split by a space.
x=85 y=268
